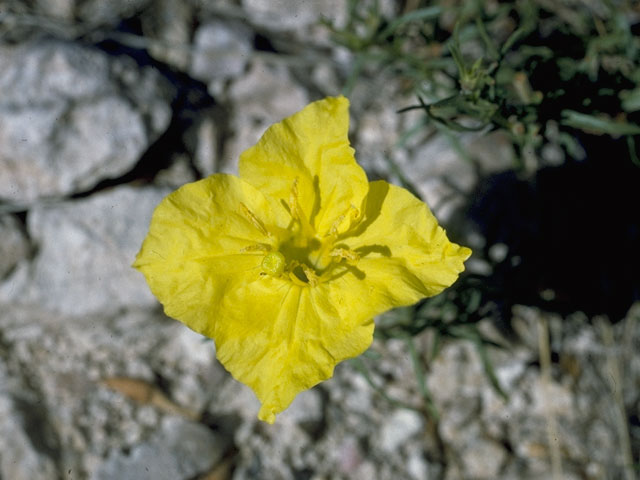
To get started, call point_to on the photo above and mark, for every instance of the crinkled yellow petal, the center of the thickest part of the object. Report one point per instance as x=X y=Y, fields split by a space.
x=287 y=342
x=201 y=246
x=405 y=255
x=311 y=146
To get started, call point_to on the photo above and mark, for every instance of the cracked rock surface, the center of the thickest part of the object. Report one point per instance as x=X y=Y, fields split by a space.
x=71 y=116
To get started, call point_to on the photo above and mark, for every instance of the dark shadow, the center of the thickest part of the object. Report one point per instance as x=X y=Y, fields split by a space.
x=377 y=193
x=346 y=268
x=573 y=233
x=367 y=249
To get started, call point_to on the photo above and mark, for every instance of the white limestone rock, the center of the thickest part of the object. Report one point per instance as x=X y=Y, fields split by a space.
x=70 y=117
x=84 y=253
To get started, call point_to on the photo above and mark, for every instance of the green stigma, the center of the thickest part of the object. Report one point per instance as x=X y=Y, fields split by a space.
x=273 y=263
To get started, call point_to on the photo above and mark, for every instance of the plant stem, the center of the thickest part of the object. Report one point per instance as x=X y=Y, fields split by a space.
x=545 y=371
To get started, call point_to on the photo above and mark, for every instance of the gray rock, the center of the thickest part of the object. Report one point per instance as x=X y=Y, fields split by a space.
x=71 y=117
x=399 y=427
x=62 y=9
x=286 y=15
x=97 y=12
x=221 y=50
x=85 y=251
x=179 y=450
x=306 y=408
x=169 y=27
x=483 y=459
x=417 y=465
x=21 y=455
x=177 y=173
x=57 y=412
x=14 y=245
x=89 y=12
x=205 y=158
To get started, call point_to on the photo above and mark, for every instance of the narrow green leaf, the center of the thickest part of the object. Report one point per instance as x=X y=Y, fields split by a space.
x=426 y=13
x=590 y=123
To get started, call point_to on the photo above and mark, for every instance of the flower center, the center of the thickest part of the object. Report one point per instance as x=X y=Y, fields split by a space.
x=301 y=256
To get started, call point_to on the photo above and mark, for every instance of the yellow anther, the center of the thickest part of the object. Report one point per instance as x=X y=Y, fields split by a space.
x=254 y=220
x=310 y=274
x=333 y=231
x=273 y=264
x=256 y=247
x=297 y=213
x=349 y=255
x=354 y=213
x=302 y=275
x=293 y=197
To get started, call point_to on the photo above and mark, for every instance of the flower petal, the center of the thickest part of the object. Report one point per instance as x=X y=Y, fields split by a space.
x=311 y=146
x=195 y=252
x=287 y=342
x=405 y=255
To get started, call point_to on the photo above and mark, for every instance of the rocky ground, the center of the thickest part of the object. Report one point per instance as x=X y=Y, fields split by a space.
x=103 y=111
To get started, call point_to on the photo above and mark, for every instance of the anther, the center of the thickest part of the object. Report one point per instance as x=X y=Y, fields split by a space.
x=254 y=220
x=310 y=274
x=353 y=212
x=256 y=247
x=297 y=213
x=349 y=255
x=302 y=275
x=333 y=231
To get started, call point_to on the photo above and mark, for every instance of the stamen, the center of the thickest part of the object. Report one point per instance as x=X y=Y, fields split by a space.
x=310 y=274
x=293 y=198
x=354 y=213
x=333 y=231
x=349 y=255
x=297 y=213
x=254 y=220
x=256 y=247
x=306 y=277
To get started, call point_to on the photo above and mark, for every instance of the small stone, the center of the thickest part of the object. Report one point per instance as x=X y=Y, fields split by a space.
x=483 y=459
x=287 y=15
x=417 y=465
x=171 y=23
x=306 y=408
x=498 y=252
x=179 y=450
x=221 y=50
x=455 y=373
x=62 y=9
x=399 y=427
x=206 y=154
x=232 y=397
x=98 y=12
x=14 y=245
x=178 y=173
x=349 y=456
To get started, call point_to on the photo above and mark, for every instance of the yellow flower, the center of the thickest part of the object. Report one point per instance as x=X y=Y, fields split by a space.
x=286 y=266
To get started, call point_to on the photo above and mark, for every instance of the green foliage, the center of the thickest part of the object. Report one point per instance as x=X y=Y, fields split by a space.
x=512 y=65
